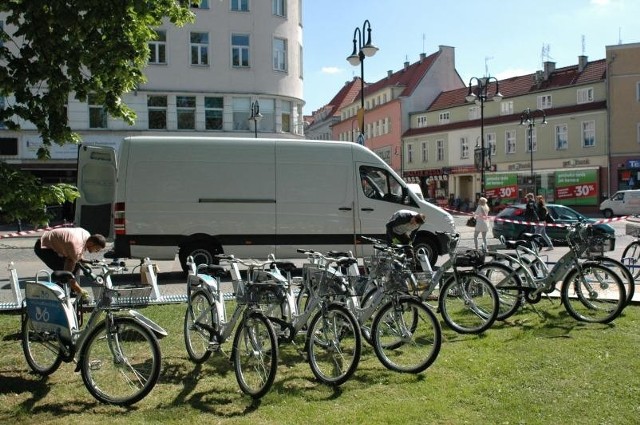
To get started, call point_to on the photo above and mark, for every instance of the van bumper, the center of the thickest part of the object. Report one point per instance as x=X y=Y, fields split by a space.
x=443 y=243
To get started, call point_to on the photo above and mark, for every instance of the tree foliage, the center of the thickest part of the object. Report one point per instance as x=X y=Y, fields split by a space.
x=76 y=47
x=24 y=198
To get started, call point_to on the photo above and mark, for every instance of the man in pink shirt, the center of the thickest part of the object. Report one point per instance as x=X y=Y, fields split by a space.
x=62 y=249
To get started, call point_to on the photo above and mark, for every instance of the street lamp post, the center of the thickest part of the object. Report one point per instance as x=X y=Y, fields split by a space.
x=256 y=116
x=358 y=55
x=479 y=94
x=528 y=118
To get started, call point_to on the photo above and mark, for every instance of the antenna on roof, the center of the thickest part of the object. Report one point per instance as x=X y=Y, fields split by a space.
x=619 y=35
x=583 y=45
x=486 y=65
x=424 y=37
x=544 y=55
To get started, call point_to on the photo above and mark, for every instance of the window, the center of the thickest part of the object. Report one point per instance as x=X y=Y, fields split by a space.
x=97 y=113
x=240 y=50
x=532 y=140
x=425 y=152
x=506 y=107
x=439 y=150
x=204 y=4
x=279 y=54
x=213 y=108
x=491 y=143
x=186 y=112
x=422 y=121
x=240 y=5
x=380 y=185
x=241 y=113
x=158 y=48
x=268 y=111
x=279 y=7
x=199 y=48
x=474 y=112
x=638 y=91
x=510 y=141
x=464 y=148
x=409 y=153
x=2 y=124
x=157 y=107
x=285 y=115
x=385 y=126
x=8 y=146
x=443 y=118
x=300 y=56
x=588 y=134
x=544 y=102
x=562 y=140
x=585 y=95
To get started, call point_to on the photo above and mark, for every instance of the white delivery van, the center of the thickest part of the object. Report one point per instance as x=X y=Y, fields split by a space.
x=198 y=196
x=623 y=202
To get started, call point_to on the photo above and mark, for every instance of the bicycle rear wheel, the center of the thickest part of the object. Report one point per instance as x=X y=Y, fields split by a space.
x=623 y=273
x=406 y=335
x=631 y=257
x=255 y=354
x=41 y=349
x=468 y=304
x=199 y=321
x=594 y=294
x=508 y=285
x=333 y=344
x=120 y=363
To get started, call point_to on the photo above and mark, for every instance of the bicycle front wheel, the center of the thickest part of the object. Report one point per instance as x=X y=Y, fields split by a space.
x=508 y=285
x=120 y=362
x=334 y=344
x=593 y=293
x=41 y=349
x=406 y=335
x=631 y=257
x=199 y=322
x=468 y=304
x=255 y=354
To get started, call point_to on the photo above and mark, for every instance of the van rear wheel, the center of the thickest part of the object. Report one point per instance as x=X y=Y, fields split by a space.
x=203 y=252
x=608 y=213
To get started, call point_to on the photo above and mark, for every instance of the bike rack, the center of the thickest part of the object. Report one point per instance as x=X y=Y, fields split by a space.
x=15 y=290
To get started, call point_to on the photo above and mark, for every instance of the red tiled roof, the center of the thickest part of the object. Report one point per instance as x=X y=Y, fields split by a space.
x=408 y=77
x=524 y=84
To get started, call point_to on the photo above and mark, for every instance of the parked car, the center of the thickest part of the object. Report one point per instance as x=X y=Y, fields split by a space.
x=560 y=213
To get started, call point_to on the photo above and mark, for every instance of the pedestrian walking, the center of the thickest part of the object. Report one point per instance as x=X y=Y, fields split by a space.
x=482 y=222
x=531 y=212
x=543 y=219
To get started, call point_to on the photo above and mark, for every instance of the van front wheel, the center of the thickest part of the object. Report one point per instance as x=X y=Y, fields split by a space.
x=607 y=213
x=422 y=246
x=203 y=252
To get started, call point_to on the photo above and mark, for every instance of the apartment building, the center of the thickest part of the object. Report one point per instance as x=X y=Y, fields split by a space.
x=565 y=159
x=623 y=71
x=389 y=102
x=203 y=79
x=322 y=120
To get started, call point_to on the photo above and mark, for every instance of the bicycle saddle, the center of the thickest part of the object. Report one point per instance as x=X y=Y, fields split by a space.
x=216 y=270
x=286 y=266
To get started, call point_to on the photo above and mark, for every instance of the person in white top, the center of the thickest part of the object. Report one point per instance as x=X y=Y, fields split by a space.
x=482 y=222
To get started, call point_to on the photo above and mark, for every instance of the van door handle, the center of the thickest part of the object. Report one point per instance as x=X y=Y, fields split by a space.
x=344 y=209
x=366 y=209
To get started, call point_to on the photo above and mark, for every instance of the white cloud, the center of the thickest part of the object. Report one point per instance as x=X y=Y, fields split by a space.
x=331 y=70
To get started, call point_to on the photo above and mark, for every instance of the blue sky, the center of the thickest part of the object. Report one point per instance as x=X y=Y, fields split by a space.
x=505 y=37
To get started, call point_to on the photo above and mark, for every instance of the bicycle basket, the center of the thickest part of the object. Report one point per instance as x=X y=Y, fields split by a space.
x=126 y=296
x=602 y=243
x=469 y=258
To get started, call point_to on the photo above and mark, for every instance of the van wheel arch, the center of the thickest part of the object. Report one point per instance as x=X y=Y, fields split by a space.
x=428 y=244
x=202 y=247
x=607 y=213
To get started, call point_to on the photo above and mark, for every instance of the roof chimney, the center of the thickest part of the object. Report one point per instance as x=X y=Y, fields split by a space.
x=549 y=67
x=422 y=57
x=389 y=73
x=406 y=65
x=582 y=62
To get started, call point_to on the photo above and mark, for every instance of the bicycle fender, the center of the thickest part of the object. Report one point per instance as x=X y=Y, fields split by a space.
x=148 y=323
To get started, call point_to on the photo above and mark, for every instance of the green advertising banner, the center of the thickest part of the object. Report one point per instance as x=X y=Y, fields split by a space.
x=503 y=186
x=577 y=187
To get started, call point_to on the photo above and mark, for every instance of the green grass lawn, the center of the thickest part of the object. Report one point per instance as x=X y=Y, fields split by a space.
x=535 y=368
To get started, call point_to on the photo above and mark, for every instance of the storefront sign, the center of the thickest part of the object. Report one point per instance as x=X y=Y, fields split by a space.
x=633 y=163
x=503 y=186
x=579 y=187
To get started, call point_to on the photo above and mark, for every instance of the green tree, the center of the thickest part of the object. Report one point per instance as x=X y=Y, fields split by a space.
x=76 y=47
x=24 y=198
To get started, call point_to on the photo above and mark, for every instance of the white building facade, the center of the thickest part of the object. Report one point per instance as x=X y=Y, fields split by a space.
x=204 y=79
